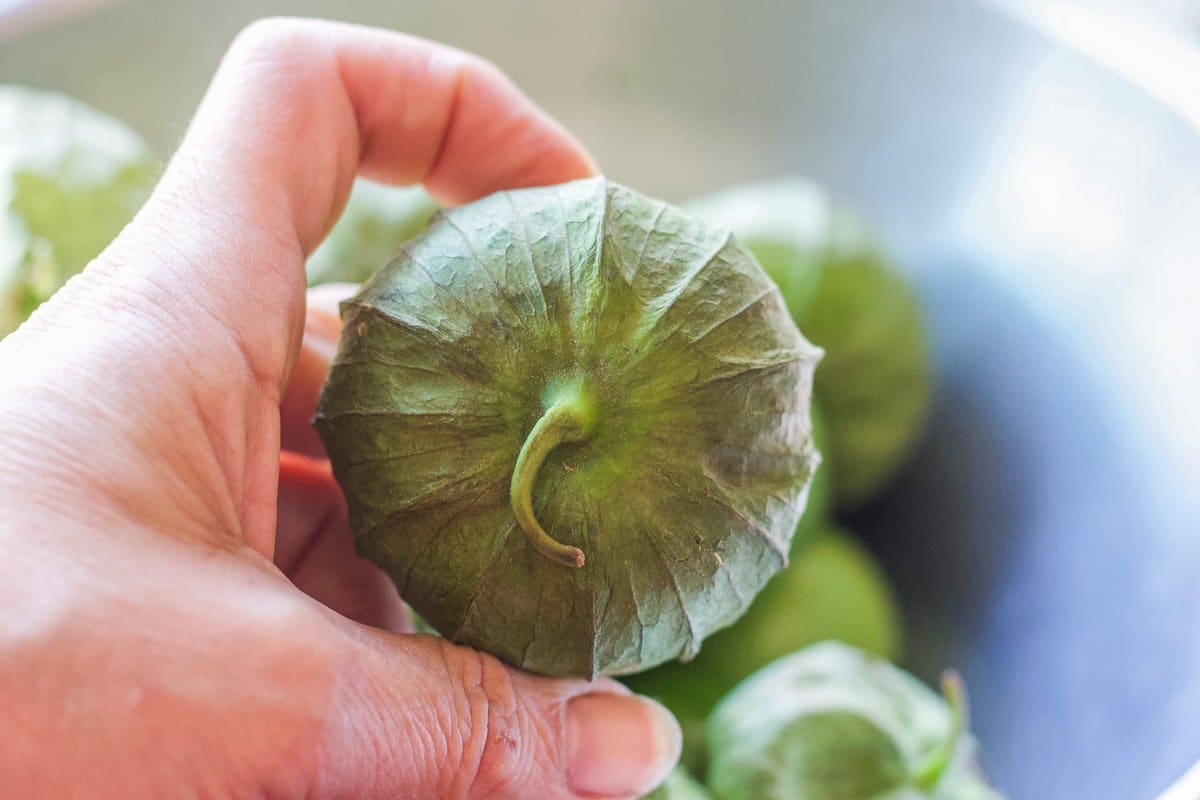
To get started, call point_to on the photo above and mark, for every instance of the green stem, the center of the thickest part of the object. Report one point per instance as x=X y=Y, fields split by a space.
x=569 y=419
x=934 y=766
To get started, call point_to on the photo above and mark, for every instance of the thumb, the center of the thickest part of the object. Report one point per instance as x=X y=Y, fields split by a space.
x=441 y=720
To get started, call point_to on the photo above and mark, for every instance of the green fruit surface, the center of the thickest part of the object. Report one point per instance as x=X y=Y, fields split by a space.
x=685 y=490
x=874 y=384
x=834 y=723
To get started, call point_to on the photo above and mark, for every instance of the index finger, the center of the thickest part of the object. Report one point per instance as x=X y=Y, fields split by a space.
x=299 y=106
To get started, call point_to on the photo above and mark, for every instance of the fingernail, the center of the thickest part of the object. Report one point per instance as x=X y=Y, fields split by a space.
x=619 y=745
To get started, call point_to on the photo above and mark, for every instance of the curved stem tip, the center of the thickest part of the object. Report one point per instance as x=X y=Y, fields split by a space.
x=569 y=419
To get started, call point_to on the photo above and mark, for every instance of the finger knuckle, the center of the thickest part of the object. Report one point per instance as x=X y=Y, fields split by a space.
x=479 y=68
x=270 y=38
x=459 y=69
x=500 y=738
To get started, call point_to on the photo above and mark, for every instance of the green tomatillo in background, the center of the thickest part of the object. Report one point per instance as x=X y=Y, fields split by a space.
x=833 y=589
x=847 y=297
x=376 y=221
x=834 y=723
x=70 y=179
x=572 y=423
x=679 y=785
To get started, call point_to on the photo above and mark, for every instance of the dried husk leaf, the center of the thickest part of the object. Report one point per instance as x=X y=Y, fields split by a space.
x=683 y=493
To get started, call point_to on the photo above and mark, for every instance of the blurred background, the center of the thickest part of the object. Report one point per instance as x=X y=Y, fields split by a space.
x=1035 y=168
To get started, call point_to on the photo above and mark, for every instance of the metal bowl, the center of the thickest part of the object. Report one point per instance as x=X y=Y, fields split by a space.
x=1038 y=173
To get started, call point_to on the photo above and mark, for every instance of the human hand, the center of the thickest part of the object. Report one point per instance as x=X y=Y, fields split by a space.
x=153 y=641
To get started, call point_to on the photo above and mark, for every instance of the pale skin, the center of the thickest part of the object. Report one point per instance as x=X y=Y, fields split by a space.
x=182 y=616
